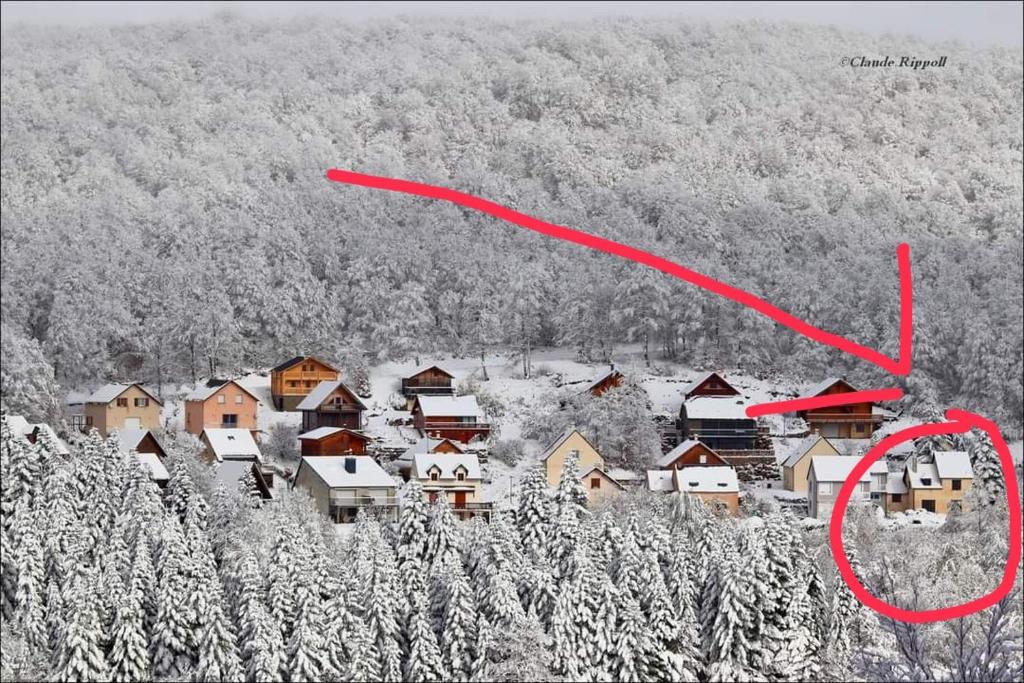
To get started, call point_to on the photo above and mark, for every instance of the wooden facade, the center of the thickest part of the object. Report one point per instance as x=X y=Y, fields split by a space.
x=853 y=421
x=696 y=454
x=292 y=380
x=432 y=381
x=710 y=384
x=340 y=442
x=610 y=381
x=339 y=407
x=463 y=428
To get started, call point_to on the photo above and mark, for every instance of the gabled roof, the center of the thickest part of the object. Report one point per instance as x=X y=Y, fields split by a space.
x=680 y=450
x=611 y=374
x=716 y=408
x=235 y=444
x=108 y=392
x=820 y=387
x=449 y=406
x=432 y=367
x=604 y=475
x=320 y=393
x=155 y=468
x=324 y=432
x=204 y=392
x=953 y=464
x=806 y=444
x=720 y=479
x=836 y=468
x=292 y=362
x=330 y=469
x=550 y=450
x=21 y=427
x=131 y=438
x=704 y=378
x=429 y=445
x=924 y=470
x=447 y=463
x=623 y=475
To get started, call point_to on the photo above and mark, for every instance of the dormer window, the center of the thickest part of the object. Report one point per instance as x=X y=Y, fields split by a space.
x=693 y=484
x=722 y=484
x=434 y=474
x=460 y=475
x=926 y=481
x=231 y=437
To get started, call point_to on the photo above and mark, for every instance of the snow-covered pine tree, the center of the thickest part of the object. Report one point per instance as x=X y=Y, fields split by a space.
x=442 y=534
x=458 y=624
x=129 y=649
x=534 y=513
x=262 y=648
x=729 y=650
x=988 y=474
x=423 y=661
x=570 y=492
x=382 y=612
x=305 y=650
x=80 y=657
x=218 y=648
x=172 y=630
x=413 y=523
x=364 y=661
x=631 y=639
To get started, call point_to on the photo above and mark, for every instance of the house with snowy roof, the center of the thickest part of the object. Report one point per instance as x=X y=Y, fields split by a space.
x=427 y=445
x=690 y=453
x=31 y=432
x=798 y=461
x=598 y=480
x=936 y=486
x=331 y=404
x=235 y=453
x=606 y=382
x=432 y=381
x=224 y=404
x=151 y=454
x=709 y=384
x=333 y=441
x=825 y=477
x=455 y=478
x=717 y=486
x=343 y=485
x=292 y=380
x=121 y=406
x=458 y=418
x=852 y=421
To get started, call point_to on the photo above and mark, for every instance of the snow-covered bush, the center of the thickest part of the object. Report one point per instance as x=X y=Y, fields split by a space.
x=508 y=451
x=283 y=441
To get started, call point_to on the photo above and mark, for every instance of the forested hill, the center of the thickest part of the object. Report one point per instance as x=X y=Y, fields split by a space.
x=165 y=207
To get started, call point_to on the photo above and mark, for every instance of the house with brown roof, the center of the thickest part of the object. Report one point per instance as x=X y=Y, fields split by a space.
x=709 y=384
x=331 y=404
x=427 y=445
x=122 y=406
x=605 y=383
x=333 y=441
x=853 y=421
x=690 y=453
x=221 y=404
x=458 y=418
x=294 y=379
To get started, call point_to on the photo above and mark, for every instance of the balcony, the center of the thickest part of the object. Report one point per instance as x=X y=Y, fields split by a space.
x=339 y=408
x=412 y=387
x=818 y=416
x=457 y=425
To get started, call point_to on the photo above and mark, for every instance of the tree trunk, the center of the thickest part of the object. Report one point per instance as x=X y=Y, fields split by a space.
x=483 y=363
x=647 y=351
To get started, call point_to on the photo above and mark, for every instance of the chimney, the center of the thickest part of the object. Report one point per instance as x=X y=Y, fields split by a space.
x=350 y=465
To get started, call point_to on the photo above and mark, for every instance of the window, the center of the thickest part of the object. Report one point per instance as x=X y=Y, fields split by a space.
x=595 y=483
x=142 y=403
x=433 y=475
x=460 y=475
x=897 y=497
x=309 y=383
x=221 y=399
x=824 y=488
x=238 y=399
x=292 y=383
x=926 y=481
x=957 y=484
x=860 y=426
x=122 y=403
x=230 y=420
x=703 y=459
x=433 y=496
x=864 y=487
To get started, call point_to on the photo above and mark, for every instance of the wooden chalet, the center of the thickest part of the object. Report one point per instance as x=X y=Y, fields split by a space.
x=331 y=404
x=432 y=381
x=853 y=421
x=458 y=418
x=426 y=445
x=333 y=441
x=709 y=384
x=605 y=383
x=293 y=380
x=690 y=454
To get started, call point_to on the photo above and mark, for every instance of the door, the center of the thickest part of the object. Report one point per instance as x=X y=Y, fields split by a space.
x=928 y=505
x=460 y=500
x=132 y=423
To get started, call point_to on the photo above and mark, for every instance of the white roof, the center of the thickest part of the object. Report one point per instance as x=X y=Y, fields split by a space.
x=822 y=386
x=607 y=475
x=719 y=479
x=321 y=432
x=668 y=458
x=19 y=425
x=130 y=438
x=838 y=467
x=924 y=470
x=447 y=463
x=805 y=444
x=449 y=406
x=716 y=408
x=331 y=469
x=426 y=445
x=228 y=472
x=659 y=480
x=157 y=471
x=205 y=392
x=953 y=464
x=620 y=474
x=318 y=395
x=232 y=443
x=895 y=484
x=108 y=392
x=22 y=427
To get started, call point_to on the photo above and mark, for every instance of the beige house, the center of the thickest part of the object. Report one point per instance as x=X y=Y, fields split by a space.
x=122 y=406
x=795 y=466
x=455 y=477
x=716 y=485
x=600 y=485
x=343 y=485
x=572 y=441
x=935 y=486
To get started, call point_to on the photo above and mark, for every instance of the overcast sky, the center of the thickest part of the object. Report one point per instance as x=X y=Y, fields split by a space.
x=981 y=23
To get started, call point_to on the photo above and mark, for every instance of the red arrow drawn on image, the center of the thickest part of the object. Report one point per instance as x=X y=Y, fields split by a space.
x=900 y=366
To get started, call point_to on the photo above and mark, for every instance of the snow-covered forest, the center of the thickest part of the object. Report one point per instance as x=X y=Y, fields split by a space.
x=103 y=581
x=165 y=212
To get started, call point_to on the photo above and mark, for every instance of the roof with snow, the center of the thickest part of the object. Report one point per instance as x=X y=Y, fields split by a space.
x=716 y=408
x=717 y=479
x=623 y=475
x=672 y=455
x=447 y=463
x=659 y=480
x=320 y=393
x=449 y=406
x=331 y=471
x=604 y=475
x=228 y=472
x=427 y=445
x=324 y=432
x=291 y=362
x=821 y=386
x=550 y=450
x=838 y=467
x=22 y=427
x=611 y=374
x=432 y=367
x=953 y=464
x=805 y=444
x=108 y=392
x=923 y=476
x=152 y=463
x=131 y=438
x=233 y=444
x=895 y=485
x=204 y=392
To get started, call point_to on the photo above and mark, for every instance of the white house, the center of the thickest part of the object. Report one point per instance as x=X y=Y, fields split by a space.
x=825 y=478
x=343 y=485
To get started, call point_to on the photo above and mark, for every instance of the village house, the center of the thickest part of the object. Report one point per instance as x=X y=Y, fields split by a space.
x=150 y=452
x=427 y=445
x=717 y=486
x=291 y=381
x=796 y=464
x=343 y=485
x=235 y=453
x=715 y=413
x=690 y=453
x=597 y=480
x=853 y=421
x=432 y=381
x=331 y=404
x=121 y=406
x=333 y=441
x=605 y=383
x=709 y=384
x=450 y=417
x=936 y=486
x=31 y=432
x=825 y=477
x=455 y=477
x=221 y=404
